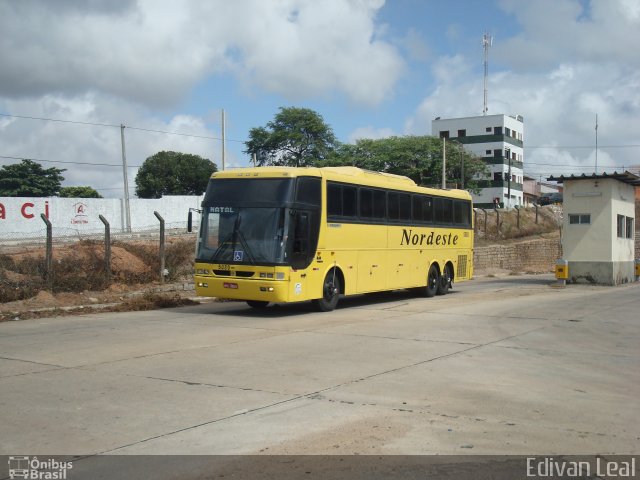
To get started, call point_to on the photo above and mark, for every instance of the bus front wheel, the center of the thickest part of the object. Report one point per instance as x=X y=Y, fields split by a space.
x=330 y=293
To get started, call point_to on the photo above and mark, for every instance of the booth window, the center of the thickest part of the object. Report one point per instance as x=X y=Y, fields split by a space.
x=579 y=219
x=621 y=226
x=630 y=229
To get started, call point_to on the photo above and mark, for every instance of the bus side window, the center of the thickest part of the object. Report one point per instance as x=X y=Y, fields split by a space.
x=444 y=210
x=466 y=214
x=404 y=204
x=379 y=204
x=366 y=202
x=334 y=199
x=458 y=207
x=349 y=201
x=393 y=205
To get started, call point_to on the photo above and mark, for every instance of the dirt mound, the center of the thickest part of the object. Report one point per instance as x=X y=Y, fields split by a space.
x=122 y=260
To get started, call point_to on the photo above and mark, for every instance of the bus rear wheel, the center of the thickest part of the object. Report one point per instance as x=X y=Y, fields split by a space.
x=330 y=293
x=445 y=281
x=433 y=280
x=257 y=303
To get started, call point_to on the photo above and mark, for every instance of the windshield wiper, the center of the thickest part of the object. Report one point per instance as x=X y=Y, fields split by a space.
x=225 y=242
x=234 y=236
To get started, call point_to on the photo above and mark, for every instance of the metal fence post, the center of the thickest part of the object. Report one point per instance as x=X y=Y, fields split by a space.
x=485 y=221
x=518 y=217
x=49 y=252
x=536 y=205
x=107 y=248
x=161 y=245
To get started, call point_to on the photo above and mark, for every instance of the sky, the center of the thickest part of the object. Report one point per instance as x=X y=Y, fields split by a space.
x=78 y=69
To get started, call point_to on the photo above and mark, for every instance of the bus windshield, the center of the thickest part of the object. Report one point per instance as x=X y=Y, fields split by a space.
x=248 y=235
x=243 y=221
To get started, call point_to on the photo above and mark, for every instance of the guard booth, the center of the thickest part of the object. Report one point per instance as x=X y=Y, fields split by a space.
x=598 y=234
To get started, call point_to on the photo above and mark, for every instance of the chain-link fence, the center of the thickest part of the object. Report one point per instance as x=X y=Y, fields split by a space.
x=502 y=223
x=14 y=242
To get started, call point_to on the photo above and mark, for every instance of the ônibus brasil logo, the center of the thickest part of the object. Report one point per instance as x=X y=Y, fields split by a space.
x=35 y=469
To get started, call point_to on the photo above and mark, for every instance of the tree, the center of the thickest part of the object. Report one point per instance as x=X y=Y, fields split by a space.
x=173 y=173
x=78 y=192
x=416 y=157
x=29 y=179
x=296 y=137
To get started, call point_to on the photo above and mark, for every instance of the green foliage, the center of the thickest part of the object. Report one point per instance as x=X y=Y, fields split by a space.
x=173 y=173
x=29 y=179
x=416 y=157
x=78 y=192
x=296 y=137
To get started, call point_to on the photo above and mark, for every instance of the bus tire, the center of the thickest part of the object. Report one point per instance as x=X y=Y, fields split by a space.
x=433 y=281
x=257 y=303
x=330 y=293
x=445 y=281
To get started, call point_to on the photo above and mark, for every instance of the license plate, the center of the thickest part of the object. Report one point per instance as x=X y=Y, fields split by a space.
x=230 y=285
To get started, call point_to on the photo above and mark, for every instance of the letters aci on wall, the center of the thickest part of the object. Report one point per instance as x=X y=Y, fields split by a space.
x=22 y=216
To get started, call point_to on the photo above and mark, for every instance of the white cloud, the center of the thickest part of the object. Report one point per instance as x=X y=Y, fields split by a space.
x=370 y=133
x=93 y=144
x=560 y=31
x=132 y=61
x=152 y=52
x=567 y=65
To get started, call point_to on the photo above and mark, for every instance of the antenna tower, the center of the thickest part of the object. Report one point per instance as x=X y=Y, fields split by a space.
x=487 y=41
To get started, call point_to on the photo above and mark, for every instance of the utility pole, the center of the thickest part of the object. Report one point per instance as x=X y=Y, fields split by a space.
x=596 y=172
x=127 y=209
x=224 y=158
x=508 y=152
x=487 y=41
x=462 y=168
x=444 y=163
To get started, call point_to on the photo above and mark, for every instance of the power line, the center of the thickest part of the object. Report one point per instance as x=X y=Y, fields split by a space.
x=68 y=162
x=58 y=120
x=600 y=147
x=95 y=124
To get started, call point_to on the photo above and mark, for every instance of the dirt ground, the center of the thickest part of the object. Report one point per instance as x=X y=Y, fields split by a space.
x=134 y=282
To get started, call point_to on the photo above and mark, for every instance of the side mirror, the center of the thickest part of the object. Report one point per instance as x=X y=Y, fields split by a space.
x=190 y=222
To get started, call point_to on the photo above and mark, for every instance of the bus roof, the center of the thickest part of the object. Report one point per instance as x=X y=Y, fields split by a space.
x=342 y=174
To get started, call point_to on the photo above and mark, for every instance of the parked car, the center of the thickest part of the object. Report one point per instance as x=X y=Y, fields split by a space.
x=550 y=199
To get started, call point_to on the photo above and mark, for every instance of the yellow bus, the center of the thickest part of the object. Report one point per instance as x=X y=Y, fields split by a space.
x=282 y=234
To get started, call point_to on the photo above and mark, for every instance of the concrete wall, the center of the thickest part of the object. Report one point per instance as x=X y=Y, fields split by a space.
x=20 y=217
x=536 y=256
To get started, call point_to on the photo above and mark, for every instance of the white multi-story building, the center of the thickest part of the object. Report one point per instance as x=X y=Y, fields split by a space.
x=498 y=139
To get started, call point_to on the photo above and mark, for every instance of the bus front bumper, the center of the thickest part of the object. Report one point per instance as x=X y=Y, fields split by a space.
x=242 y=289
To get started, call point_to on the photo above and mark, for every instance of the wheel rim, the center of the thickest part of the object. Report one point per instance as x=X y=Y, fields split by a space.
x=433 y=278
x=330 y=291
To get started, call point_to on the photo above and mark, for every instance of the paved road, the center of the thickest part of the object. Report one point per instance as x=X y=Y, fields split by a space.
x=503 y=365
